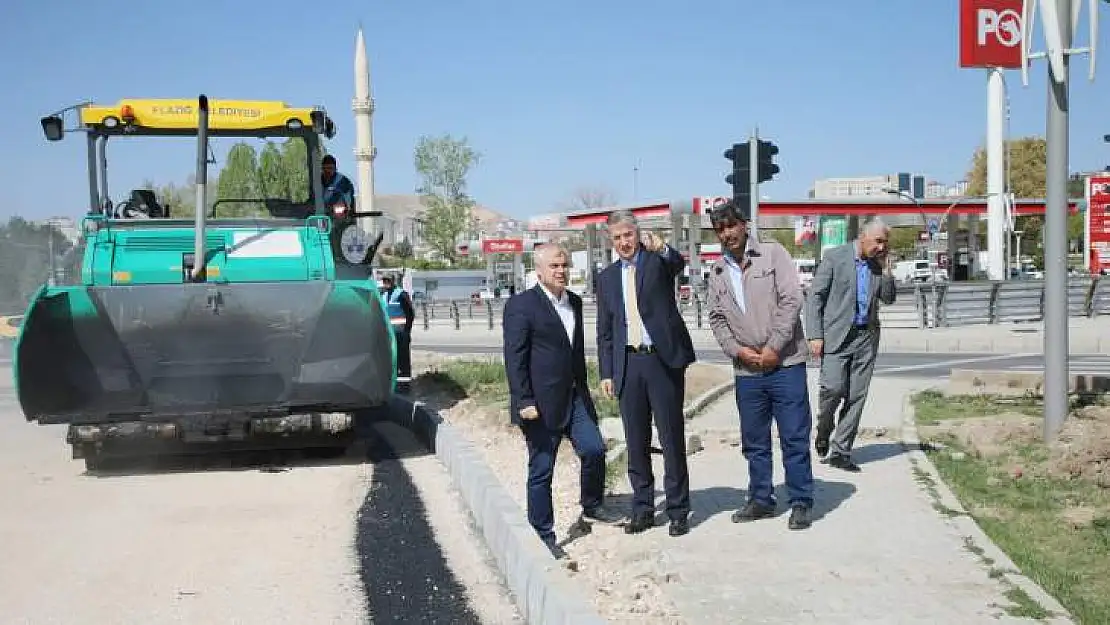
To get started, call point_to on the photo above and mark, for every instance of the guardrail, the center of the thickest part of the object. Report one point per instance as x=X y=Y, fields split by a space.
x=920 y=306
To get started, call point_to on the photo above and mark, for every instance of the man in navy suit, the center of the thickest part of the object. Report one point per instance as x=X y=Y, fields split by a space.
x=643 y=351
x=545 y=363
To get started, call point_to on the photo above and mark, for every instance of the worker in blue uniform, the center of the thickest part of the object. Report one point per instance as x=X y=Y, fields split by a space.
x=338 y=188
x=401 y=316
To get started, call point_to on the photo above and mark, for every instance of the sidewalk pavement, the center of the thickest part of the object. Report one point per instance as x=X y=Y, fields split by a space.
x=1085 y=336
x=877 y=551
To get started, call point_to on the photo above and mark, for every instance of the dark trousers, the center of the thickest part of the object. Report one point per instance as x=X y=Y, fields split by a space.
x=780 y=395
x=652 y=388
x=543 y=444
x=404 y=351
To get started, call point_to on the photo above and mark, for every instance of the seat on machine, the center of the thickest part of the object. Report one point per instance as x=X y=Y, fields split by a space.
x=145 y=201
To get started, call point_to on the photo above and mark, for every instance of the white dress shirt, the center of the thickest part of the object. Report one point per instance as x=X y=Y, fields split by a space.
x=625 y=267
x=565 y=310
x=736 y=275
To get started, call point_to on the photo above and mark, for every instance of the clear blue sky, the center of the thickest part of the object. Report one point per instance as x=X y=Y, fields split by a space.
x=556 y=95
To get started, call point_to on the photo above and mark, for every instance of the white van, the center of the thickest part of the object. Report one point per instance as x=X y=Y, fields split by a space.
x=806 y=268
x=908 y=271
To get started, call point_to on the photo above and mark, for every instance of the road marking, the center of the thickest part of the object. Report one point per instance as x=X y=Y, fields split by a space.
x=948 y=363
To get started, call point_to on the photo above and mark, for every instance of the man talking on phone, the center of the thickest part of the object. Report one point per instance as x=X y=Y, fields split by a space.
x=842 y=325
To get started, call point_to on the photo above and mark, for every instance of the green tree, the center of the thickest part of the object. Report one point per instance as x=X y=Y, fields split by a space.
x=1028 y=165
x=1027 y=156
x=239 y=180
x=443 y=164
x=294 y=168
x=403 y=249
x=272 y=179
x=25 y=256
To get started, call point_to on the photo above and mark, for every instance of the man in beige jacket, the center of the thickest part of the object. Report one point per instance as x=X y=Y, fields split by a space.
x=755 y=301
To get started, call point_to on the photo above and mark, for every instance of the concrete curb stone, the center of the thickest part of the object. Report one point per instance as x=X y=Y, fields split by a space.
x=967 y=526
x=702 y=401
x=541 y=589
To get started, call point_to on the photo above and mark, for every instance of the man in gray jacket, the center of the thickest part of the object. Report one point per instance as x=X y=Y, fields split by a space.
x=842 y=322
x=755 y=300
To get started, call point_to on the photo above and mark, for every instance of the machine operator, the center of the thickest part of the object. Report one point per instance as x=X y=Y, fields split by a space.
x=337 y=187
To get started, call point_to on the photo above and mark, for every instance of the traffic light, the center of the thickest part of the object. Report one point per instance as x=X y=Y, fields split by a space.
x=740 y=178
x=766 y=155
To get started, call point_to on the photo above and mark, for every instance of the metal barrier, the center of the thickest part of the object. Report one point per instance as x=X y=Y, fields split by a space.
x=1100 y=297
x=965 y=303
x=1079 y=296
x=1018 y=301
x=919 y=306
x=905 y=312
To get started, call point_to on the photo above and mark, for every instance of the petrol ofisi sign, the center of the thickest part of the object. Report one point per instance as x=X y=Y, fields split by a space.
x=502 y=246
x=1098 y=221
x=990 y=33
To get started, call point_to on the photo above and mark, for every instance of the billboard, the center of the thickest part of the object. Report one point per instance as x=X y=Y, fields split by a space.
x=502 y=246
x=704 y=204
x=834 y=232
x=1097 y=225
x=805 y=231
x=990 y=33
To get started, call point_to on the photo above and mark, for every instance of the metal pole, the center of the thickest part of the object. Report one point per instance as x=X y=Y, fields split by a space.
x=753 y=151
x=200 y=249
x=50 y=250
x=996 y=174
x=1055 y=241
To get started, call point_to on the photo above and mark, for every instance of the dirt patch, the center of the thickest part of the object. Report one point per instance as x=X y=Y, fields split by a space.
x=1081 y=451
x=622 y=576
x=1080 y=517
x=701 y=377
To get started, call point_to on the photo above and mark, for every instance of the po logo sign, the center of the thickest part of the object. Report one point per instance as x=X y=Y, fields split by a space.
x=990 y=33
x=1004 y=25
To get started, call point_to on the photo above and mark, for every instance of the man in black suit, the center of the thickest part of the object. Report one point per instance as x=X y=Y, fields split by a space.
x=643 y=351
x=545 y=363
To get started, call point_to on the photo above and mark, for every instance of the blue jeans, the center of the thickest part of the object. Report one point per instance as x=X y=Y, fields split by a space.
x=543 y=444
x=780 y=395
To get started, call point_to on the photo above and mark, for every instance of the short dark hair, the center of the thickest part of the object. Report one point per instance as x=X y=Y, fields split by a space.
x=726 y=212
x=328 y=158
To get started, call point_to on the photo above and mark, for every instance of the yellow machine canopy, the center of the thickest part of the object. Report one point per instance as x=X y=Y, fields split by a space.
x=226 y=117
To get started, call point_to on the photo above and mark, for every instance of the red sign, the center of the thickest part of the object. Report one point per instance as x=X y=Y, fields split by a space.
x=1098 y=221
x=990 y=33
x=502 y=246
x=702 y=205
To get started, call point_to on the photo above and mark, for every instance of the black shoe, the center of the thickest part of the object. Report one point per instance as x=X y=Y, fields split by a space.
x=578 y=529
x=821 y=446
x=557 y=552
x=640 y=523
x=799 y=518
x=679 y=527
x=753 y=511
x=601 y=514
x=844 y=463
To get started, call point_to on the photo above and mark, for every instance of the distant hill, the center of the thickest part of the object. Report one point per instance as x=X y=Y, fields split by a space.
x=400 y=206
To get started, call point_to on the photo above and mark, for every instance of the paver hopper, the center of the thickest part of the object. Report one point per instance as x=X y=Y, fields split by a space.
x=261 y=331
